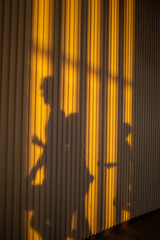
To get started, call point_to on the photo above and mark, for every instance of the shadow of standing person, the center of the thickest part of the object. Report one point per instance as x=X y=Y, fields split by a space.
x=42 y=163
x=122 y=201
x=124 y=176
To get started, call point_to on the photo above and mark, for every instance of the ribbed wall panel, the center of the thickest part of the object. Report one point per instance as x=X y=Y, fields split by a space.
x=79 y=115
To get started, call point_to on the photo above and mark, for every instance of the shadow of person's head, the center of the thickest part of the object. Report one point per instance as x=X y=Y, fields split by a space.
x=44 y=87
x=126 y=129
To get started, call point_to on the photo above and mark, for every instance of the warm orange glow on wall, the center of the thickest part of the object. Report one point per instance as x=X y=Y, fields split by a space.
x=80 y=152
x=39 y=111
x=112 y=113
x=70 y=56
x=128 y=63
x=92 y=120
x=127 y=86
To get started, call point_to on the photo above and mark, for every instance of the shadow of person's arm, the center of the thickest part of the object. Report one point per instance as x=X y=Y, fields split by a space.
x=40 y=161
x=107 y=165
x=37 y=141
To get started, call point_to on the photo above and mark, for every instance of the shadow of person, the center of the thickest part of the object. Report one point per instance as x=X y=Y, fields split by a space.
x=122 y=201
x=124 y=176
x=41 y=162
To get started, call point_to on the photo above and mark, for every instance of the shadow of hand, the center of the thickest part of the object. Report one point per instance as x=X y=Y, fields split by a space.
x=37 y=141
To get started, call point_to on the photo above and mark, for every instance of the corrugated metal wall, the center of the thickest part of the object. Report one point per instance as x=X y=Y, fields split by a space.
x=79 y=115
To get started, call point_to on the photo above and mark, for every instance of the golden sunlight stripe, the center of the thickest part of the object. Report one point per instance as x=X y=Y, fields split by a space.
x=39 y=111
x=128 y=78
x=92 y=118
x=112 y=114
x=70 y=57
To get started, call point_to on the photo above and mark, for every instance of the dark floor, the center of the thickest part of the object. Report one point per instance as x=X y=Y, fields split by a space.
x=143 y=228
